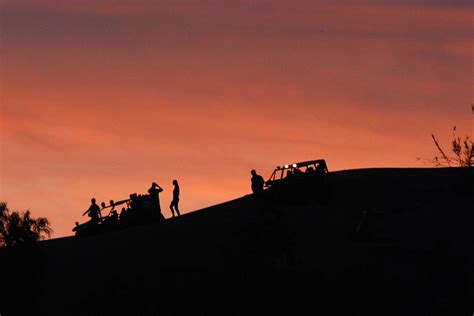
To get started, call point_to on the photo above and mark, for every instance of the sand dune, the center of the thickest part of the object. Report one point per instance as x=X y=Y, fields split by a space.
x=413 y=254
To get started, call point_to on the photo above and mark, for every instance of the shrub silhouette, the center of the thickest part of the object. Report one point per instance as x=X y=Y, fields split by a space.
x=18 y=228
x=463 y=150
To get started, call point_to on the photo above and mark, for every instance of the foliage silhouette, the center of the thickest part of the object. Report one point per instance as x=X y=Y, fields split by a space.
x=463 y=150
x=18 y=228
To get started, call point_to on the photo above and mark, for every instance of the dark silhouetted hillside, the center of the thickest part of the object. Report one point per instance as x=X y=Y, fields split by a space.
x=413 y=255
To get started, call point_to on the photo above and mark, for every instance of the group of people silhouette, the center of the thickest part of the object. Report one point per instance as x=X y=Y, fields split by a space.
x=94 y=211
x=145 y=208
x=136 y=204
x=142 y=208
x=153 y=198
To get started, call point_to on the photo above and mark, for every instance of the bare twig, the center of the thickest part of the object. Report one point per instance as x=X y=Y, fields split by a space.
x=448 y=161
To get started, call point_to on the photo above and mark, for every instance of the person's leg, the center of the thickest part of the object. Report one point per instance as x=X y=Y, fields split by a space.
x=171 y=208
x=176 y=207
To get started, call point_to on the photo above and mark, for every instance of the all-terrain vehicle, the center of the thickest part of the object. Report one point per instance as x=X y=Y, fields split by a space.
x=300 y=182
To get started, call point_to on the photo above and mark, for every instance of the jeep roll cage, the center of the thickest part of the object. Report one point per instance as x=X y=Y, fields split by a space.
x=307 y=167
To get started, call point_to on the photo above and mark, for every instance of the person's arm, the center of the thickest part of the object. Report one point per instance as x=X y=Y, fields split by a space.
x=88 y=210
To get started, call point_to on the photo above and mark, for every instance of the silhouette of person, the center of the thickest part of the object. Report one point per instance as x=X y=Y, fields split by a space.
x=297 y=172
x=175 y=201
x=123 y=214
x=102 y=205
x=114 y=216
x=154 y=192
x=322 y=168
x=93 y=212
x=257 y=182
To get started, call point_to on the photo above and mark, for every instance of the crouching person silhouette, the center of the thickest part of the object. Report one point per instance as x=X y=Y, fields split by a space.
x=175 y=201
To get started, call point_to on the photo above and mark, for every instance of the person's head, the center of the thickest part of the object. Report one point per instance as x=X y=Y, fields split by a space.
x=111 y=202
x=175 y=182
x=253 y=172
x=102 y=204
x=93 y=201
x=154 y=184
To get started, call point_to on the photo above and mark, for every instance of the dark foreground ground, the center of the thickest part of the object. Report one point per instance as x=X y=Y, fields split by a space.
x=414 y=255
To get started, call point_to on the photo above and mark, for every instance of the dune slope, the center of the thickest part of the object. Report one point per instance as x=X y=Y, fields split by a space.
x=386 y=241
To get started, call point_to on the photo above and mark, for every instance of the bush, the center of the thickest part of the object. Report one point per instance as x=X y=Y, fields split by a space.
x=463 y=152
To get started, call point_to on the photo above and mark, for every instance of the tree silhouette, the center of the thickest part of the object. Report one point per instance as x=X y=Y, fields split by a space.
x=20 y=228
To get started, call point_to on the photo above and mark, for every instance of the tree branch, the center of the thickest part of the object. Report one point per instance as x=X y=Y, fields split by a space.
x=448 y=161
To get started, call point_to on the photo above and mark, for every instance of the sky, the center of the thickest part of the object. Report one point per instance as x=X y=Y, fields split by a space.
x=99 y=98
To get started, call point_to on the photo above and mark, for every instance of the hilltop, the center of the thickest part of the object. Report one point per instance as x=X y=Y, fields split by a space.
x=413 y=254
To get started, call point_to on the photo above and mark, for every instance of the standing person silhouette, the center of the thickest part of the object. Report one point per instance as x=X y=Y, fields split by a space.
x=93 y=212
x=175 y=201
x=257 y=182
x=154 y=192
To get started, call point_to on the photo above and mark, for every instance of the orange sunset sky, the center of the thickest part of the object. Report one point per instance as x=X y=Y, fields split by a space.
x=98 y=98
